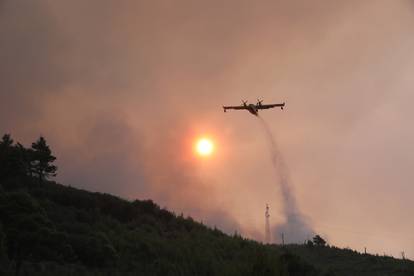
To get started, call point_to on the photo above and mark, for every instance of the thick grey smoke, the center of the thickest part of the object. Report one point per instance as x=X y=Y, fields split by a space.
x=120 y=89
x=295 y=228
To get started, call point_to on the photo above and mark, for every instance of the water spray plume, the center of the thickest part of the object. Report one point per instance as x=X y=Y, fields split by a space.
x=295 y=228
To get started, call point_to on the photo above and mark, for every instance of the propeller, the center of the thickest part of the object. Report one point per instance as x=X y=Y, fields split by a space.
x=244 y=102
x=259 y=102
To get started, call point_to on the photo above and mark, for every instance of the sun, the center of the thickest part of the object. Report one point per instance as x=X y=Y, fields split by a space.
x=204 y=147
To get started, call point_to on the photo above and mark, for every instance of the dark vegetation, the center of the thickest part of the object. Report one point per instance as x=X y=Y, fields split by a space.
x=50 y=229
x=346 y=262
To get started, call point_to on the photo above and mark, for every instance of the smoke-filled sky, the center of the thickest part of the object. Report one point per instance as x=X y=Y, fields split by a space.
x=121 y=89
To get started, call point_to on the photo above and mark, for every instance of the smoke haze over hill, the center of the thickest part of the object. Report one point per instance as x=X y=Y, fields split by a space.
x=122 y=88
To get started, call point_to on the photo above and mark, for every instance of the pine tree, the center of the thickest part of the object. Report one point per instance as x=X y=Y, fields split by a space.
x=6 y=141
x=23 y=160
x=42 y=159
x=6 y=152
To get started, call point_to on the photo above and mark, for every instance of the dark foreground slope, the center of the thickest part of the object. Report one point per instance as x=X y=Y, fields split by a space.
x=50 y=229
x=346 y=262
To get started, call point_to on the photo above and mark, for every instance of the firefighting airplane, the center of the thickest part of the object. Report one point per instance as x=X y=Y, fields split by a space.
x=254 y=108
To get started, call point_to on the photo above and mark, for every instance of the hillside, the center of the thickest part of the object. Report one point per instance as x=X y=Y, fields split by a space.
x=344 y=262
x=66 y=231
x=50 y=229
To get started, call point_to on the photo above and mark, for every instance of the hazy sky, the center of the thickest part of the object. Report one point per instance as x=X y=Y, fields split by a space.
x=121 y=89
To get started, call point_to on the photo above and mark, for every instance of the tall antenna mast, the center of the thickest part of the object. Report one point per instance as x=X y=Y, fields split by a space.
x=267 y=227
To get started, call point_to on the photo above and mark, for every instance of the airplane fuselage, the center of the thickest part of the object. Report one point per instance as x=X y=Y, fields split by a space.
x=252 y=109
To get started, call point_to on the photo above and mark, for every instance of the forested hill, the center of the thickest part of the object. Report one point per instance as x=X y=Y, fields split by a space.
x=50 y=229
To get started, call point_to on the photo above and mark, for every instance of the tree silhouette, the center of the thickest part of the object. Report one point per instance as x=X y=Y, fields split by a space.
x=9 y=158
x=23 y=160
x=318 y=241
x=6 y=141
x=42 y=159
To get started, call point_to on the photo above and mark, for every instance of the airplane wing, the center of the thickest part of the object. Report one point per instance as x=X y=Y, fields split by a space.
x=266 y=106
x=235 y=107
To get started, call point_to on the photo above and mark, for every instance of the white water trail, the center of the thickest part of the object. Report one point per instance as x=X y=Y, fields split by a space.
x=296 y=227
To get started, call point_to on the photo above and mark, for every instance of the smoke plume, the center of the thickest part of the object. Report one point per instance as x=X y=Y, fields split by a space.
x=295 y=228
